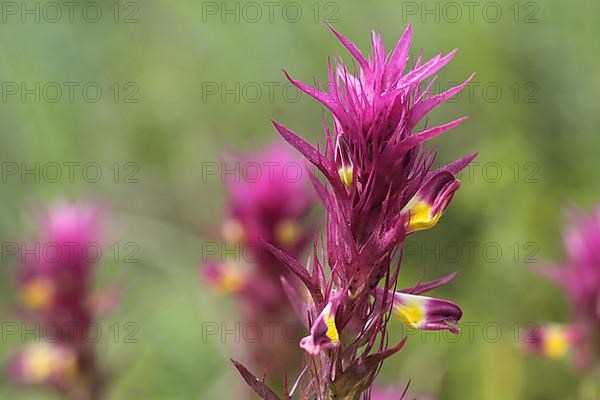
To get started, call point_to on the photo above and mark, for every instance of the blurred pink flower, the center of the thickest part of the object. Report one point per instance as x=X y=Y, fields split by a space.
x=580 y=280
x=272 y=205
x=55 y=287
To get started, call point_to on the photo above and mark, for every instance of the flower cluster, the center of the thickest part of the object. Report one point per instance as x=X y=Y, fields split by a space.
x=379 y=187
x=274 y=207
x=55 y=284
x=580 y=280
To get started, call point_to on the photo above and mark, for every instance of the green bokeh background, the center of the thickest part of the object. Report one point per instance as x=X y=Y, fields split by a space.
x=543 y=125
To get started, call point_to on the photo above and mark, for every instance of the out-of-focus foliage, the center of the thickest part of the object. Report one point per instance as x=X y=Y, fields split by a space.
x=538 y=142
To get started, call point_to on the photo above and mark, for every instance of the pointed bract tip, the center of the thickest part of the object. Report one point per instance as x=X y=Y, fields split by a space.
x=259 y=386
x=288 y=76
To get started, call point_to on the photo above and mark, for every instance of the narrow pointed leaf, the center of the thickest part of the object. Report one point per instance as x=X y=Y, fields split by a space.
x=259 y=387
